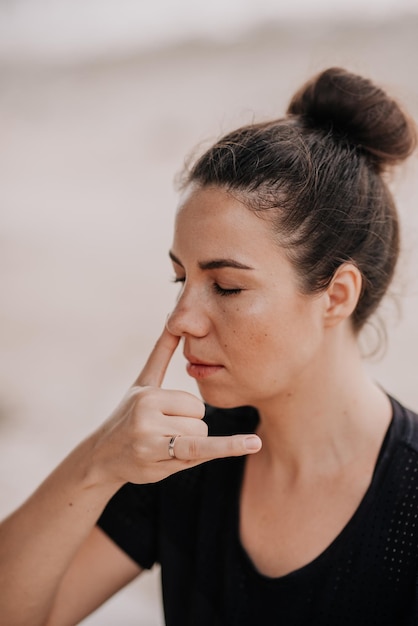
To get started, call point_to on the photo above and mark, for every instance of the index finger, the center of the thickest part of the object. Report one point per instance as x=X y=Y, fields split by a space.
x=155 y=368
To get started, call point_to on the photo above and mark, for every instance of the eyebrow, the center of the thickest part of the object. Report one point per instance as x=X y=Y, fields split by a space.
x=214 y=264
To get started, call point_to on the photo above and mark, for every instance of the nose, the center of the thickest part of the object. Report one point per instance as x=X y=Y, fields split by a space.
x=189 y=316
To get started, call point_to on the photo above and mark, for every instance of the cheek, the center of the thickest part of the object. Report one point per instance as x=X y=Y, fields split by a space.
x=251 y=334
x=265 y=324
x=272 y=330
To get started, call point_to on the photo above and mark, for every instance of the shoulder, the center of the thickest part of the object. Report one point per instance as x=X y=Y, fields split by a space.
x=405 y=426
x=399 y=455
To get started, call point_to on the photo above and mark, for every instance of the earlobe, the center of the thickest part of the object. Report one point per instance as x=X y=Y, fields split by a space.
x=343 y=294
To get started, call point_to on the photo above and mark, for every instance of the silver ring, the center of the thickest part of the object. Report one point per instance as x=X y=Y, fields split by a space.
x=171 y=443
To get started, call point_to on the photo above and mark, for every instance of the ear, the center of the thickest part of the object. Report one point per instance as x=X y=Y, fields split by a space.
x=342 y=294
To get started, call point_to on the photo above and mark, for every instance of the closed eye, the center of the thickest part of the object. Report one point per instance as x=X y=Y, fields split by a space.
x=220 y=291
x=225 y=292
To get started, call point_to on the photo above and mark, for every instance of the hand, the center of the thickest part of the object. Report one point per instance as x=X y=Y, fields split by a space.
x=132 y=445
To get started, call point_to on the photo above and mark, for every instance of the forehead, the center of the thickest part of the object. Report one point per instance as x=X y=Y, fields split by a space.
x=213 y=220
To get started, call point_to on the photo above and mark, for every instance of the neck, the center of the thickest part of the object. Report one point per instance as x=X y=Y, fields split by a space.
x=327 y=419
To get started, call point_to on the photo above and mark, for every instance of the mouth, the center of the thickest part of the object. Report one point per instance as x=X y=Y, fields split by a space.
x=199 y=369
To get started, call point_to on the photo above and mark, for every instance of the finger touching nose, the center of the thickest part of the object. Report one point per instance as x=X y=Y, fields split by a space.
x=155 y=368
x=187 y=320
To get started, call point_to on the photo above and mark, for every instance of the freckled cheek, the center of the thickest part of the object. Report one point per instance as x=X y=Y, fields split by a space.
x=242 y=308
x=248 y=318
x=247 y=335
x=238 y=321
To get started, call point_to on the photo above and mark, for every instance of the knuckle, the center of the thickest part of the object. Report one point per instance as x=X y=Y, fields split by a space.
x=231 y=445
x=202 y=429
x=234 y=445
x=144 y=450
x=141 y=449
x=198 y=407
x=237 y=445
x=148 y=396
x=193 y=449
x=132 y=393
x=138 y=429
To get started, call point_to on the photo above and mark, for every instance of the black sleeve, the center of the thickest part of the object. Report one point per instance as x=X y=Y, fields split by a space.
x=130 y=519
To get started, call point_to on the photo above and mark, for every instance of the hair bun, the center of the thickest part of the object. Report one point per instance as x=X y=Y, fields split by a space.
x=356 y=109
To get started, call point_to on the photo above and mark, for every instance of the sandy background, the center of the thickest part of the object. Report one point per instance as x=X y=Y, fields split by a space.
x=88 y=153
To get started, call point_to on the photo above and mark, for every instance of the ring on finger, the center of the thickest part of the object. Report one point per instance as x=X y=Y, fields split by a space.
x=171 y=445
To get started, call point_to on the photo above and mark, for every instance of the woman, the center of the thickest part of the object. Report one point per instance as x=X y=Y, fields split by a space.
x=286 y=239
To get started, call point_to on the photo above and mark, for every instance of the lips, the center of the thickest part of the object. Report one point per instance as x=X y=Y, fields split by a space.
x=193 y=360
x=199 y=369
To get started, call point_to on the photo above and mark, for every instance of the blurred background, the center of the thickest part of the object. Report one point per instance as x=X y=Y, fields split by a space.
x=100 y=103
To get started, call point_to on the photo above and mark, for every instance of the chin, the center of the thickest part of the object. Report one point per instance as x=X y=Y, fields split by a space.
x=222 y=399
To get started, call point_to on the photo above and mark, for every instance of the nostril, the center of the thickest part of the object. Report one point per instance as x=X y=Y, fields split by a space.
x=187 y=319
x=176 y=323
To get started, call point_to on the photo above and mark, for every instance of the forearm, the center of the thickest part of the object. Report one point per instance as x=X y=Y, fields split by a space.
x=39 y=540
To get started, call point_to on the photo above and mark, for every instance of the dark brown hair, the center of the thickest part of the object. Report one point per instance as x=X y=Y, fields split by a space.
x=318 y=175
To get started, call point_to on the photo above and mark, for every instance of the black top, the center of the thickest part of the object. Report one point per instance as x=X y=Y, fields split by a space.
x=189 y=524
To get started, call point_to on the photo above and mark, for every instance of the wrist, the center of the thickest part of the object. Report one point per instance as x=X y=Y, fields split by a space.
x=90 y=467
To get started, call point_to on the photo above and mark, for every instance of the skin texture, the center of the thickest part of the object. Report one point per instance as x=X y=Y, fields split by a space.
x=265 y=336
x=275 y=346
x=293 y=356
x=250 y=337
x=50 y=547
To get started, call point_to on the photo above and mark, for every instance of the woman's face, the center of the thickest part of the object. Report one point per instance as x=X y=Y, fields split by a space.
x=249 y=334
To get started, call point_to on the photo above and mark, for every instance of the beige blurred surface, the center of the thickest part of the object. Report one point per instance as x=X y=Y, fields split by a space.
x=87 y=159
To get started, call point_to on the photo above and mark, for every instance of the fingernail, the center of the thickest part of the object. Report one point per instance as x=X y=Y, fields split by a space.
x=252 y=443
